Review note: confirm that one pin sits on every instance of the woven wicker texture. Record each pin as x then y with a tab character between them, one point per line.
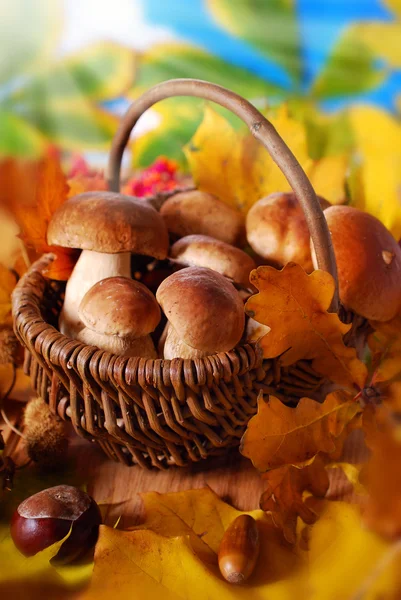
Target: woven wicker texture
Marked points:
149	412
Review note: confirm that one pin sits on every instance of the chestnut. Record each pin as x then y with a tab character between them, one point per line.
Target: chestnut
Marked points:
48	516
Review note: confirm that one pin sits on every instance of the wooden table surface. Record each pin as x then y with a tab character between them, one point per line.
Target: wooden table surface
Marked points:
233	477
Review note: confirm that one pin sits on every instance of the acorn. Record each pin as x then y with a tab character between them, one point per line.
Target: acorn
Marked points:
49	516
239	550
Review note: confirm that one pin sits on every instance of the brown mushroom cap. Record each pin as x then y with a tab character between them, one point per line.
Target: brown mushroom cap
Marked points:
109	222
120	306
192	212
205	251
368	263
204	308
276	229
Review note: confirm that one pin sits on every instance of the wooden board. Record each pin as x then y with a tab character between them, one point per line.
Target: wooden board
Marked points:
118	487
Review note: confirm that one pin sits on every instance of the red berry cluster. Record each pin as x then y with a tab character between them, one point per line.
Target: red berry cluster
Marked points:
161	176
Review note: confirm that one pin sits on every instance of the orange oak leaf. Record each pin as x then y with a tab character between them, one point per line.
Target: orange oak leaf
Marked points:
382	512
7	284
385	345
294	305
280	435
32	191
284	499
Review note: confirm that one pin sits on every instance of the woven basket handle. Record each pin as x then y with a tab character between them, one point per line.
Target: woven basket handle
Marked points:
261	129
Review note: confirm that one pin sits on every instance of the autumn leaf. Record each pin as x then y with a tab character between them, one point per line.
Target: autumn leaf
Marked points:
385	346
32	191
238	170
284	498
345	560
376	176
382	512
279	435
294	305
7	284
34	578
174	553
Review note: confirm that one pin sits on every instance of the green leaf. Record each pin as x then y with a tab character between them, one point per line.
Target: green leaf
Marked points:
18	138
29	31
166	61
349	70
269	25
98	73
73	125
180	117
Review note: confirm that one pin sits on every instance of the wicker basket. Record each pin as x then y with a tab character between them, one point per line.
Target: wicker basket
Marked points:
161	412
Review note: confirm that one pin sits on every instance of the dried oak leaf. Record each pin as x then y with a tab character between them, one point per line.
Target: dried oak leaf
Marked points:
294	305
385	346
284	495
7	284
382	512
32	191
174	553
279	435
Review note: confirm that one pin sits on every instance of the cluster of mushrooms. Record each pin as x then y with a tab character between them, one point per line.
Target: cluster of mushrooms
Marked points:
197	307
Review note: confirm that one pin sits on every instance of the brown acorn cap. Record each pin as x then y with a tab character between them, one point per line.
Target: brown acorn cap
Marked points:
192	212
120	306
204	308
109	222
276	229
205	251
368	262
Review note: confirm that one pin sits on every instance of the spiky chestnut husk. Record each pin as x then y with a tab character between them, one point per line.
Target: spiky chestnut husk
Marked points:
49	516
45	435
9	346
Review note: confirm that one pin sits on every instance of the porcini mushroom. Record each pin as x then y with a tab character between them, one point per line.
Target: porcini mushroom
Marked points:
194	211
205	313
108	227
276	229
368	263
205	251
119	314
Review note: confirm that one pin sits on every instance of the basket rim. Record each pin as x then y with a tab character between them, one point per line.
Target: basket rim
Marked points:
177	364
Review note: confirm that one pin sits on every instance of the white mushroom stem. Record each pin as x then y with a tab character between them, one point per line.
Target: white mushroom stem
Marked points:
124	346
171	346
90	268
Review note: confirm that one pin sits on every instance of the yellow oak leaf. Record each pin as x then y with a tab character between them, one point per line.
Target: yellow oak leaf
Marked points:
280	435
174	553
345	559
378	171
237	169
34	578
284	498
214	157
32	191
385	345
294	305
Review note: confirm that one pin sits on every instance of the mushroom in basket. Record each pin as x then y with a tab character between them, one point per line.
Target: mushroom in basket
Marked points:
368	263
205	251
119	314
194	211
108	227
277	231
205	313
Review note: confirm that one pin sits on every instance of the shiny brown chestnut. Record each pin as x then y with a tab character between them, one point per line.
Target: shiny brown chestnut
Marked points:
50	515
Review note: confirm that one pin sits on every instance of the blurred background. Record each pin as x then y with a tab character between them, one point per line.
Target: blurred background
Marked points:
69	68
